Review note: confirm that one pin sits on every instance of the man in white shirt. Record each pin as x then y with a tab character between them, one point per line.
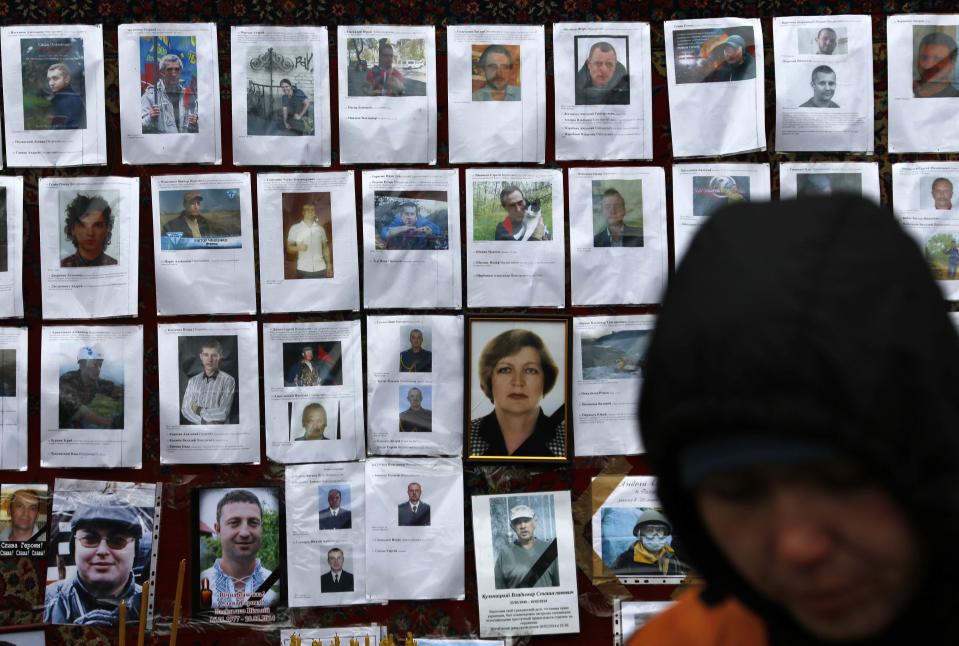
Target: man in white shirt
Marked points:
208	398
334	516
308	242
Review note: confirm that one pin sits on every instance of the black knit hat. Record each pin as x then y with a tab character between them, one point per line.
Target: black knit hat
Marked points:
813	322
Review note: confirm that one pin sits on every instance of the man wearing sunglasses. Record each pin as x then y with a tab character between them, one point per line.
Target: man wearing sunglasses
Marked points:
105	535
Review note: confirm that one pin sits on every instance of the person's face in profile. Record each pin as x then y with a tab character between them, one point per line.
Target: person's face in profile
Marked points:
414	491
335	559
308	212
825	541
286	88
240	529
334	499
90	232
614	208
515	205
823	86
24	509
525	530
936	64
104	558
314	423
195	207
408	216
601	67
57	80
415	398
90	368
826	41
416	340
732	55
497	69
942	194
517	382
210	358
386	57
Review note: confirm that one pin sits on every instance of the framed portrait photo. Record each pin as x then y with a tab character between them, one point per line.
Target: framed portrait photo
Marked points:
518	378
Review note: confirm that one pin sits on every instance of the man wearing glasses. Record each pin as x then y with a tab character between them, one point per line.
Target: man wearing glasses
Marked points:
105	535
652	554
162	107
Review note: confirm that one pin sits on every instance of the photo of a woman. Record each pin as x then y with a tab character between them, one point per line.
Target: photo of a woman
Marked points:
515	372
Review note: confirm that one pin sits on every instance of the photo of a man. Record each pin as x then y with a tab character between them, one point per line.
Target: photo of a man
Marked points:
935	64
311	364
315	422
386	67
237	576
105	536
54	84
496	73
190	223
808	184
527	207
826	41
603	78
209	391
823	83
335	515
169	103
416	358
714	56
942	194
527	561
414	512
411	220
87	400
24	510
200	219
417	418
616	233
89	229
308	242
651	553
337	579
280	82
67	109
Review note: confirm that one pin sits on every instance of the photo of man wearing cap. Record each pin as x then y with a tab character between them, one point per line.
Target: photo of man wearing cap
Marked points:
526	562
105	533
190	223
729	61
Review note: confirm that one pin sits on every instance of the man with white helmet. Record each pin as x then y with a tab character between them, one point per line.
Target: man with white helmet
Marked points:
79	388
527	562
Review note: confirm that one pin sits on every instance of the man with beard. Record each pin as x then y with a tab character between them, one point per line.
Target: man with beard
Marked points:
496	66
237	576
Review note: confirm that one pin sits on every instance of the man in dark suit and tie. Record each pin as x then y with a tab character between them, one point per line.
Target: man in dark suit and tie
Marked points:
337	579
414	512
334	516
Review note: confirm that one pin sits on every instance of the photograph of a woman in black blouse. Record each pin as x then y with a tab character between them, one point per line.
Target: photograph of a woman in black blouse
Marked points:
515	372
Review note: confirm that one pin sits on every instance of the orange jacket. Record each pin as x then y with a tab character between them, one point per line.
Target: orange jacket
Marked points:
692	623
